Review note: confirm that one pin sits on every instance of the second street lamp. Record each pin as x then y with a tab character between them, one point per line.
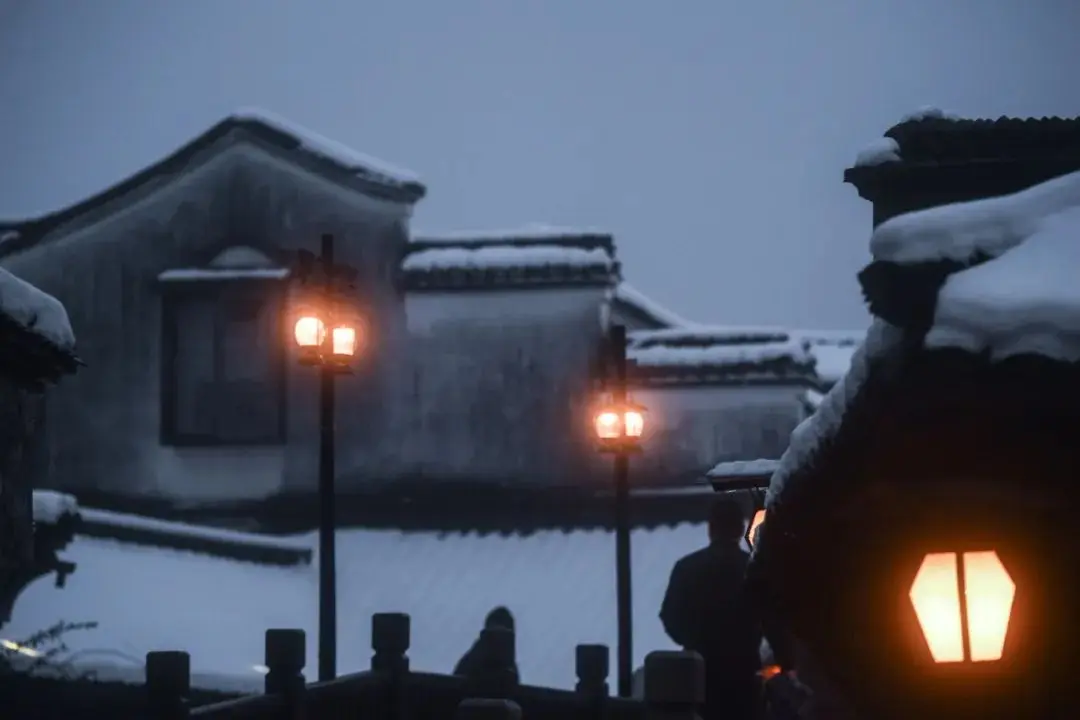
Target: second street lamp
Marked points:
328	336
619	425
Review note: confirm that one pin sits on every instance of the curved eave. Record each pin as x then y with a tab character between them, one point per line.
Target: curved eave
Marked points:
29	232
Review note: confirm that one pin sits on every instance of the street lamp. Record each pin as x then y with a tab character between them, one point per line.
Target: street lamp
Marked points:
327	334
618	425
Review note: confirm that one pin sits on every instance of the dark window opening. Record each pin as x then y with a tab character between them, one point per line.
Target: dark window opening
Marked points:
223	364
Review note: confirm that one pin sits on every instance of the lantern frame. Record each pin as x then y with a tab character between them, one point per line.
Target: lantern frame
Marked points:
621	442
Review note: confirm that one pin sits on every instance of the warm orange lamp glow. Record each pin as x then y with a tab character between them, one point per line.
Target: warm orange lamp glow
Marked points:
759	517
343	341
614	424
309	331
988	597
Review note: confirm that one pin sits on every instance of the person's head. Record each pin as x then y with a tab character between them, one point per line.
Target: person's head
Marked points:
500	617
727	523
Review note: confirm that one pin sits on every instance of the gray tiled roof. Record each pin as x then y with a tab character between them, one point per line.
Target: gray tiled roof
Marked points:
560	586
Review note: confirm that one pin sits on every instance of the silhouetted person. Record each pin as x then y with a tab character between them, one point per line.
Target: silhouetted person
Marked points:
706	610
471	663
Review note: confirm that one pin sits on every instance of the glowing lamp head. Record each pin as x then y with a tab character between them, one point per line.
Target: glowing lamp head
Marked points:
952	636
619	425
343	341
608	425
309	332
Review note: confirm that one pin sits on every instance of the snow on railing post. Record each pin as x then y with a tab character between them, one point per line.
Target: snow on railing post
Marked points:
285	655
488	709
390	640
674	685
591	665
168	682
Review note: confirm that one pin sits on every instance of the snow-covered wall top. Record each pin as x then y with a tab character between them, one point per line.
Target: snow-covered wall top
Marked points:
720	354
508	258
628	300
1020	295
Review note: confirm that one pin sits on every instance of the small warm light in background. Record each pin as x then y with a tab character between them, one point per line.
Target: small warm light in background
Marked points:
755	522
343	340
988	597
309	332
613	423
769	671
21	649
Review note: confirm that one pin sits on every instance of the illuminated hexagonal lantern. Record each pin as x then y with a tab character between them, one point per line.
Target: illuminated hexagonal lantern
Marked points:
963	602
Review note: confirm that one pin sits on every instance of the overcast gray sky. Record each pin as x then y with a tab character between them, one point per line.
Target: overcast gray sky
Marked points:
709	135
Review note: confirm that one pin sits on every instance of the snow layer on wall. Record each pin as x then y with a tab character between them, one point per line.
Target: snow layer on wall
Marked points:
960	231
1025	298
35	310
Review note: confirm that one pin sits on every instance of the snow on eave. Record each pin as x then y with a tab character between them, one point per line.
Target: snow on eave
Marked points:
506	257
362	164
36	311
835	338
1025	301
722	356
879	152
927	112
629	295
179	529
963	231
209	273
49	506
707	335
743	468
525	233
881	341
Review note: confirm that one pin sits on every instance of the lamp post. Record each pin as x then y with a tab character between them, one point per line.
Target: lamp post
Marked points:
618	425
327	338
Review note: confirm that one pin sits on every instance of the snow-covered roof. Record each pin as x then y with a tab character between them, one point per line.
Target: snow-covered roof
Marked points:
560	587
1021	295
718	354
507	259
362	165
627	295
36	311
